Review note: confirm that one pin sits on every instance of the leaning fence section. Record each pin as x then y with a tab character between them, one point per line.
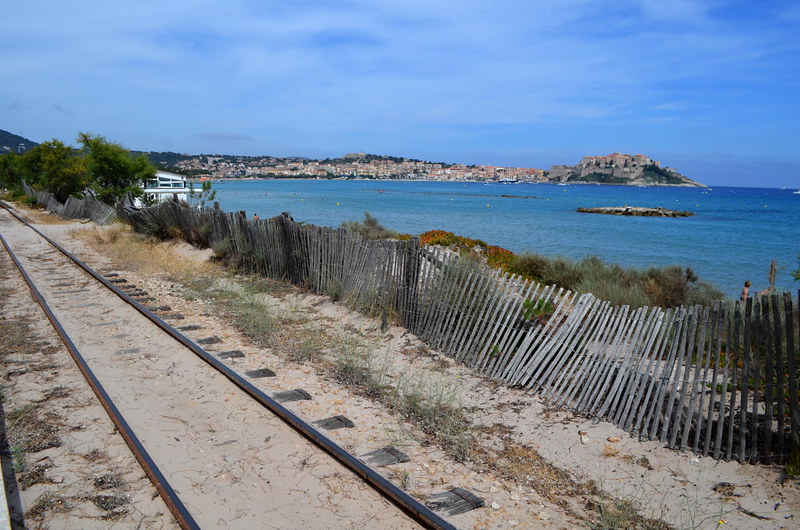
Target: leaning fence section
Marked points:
73	208
720	381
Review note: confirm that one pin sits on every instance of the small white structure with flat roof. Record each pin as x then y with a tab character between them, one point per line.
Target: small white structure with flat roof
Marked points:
165	186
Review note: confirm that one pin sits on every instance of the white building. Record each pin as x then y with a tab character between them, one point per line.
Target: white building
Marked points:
165	186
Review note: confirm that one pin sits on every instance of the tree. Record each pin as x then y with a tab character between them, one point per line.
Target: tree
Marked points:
10	174
54	167
204	195
111	169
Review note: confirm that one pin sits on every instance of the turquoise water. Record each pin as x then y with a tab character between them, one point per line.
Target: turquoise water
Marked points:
734	235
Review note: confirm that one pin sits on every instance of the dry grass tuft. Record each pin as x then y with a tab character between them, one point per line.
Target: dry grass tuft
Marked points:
132	251
48	503
622	514
609	451
36	475
29	431
523	465
434	404
15	337
96	455
109	503
38	215
107	481
300	344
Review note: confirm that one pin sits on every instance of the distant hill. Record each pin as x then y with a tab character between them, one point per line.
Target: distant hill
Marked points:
616	168
166	159
10	142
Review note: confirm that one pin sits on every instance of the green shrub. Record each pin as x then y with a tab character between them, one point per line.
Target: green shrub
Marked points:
630	295
530	265
664	287
703	293
370	228
564	272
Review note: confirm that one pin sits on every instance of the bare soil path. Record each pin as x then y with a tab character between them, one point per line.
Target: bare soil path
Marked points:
234	464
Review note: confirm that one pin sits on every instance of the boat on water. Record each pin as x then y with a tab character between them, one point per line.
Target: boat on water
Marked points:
507	181
797	192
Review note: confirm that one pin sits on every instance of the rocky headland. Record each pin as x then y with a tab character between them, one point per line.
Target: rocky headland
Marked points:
620	169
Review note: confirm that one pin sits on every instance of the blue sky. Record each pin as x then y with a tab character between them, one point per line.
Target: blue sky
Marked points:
711	88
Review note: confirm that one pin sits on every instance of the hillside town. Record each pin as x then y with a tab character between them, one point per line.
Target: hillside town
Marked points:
352	165
615	168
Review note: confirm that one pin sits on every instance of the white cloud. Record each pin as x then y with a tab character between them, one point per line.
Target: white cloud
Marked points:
401	70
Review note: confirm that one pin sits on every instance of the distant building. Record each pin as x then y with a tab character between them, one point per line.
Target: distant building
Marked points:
615	165
165	186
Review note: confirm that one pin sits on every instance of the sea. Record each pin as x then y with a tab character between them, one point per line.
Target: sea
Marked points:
733	236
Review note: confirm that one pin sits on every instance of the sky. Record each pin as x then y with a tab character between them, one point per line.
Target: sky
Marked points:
708	87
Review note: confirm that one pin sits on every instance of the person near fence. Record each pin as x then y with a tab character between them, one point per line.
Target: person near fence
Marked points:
255	217
745	291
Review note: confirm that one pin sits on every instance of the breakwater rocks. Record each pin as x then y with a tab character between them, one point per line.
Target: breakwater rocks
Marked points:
637	211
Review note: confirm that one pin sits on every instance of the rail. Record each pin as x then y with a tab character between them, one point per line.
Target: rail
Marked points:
416	510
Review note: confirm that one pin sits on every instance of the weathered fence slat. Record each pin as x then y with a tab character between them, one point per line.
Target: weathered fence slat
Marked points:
697	349
510	305
769	379
510	327
668	384
537	349
644	380
573	325
574	375
529	352
478	303
792	365
715	349
679	421
611	362
485	323
639	351
466	314
755	373
629	344
517	331
600	359
594	351
745	381
461	276
780	385
731	365
656	366
553	335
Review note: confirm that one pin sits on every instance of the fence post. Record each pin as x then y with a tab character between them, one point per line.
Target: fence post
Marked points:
791	361
410	280
288	243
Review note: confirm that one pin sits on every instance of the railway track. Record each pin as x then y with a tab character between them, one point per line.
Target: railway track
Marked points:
219	450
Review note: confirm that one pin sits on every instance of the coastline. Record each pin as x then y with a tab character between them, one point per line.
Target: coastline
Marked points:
663	483
633	185
707	242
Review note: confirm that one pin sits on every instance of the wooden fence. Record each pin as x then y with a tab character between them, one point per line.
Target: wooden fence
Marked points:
85	208
720	381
